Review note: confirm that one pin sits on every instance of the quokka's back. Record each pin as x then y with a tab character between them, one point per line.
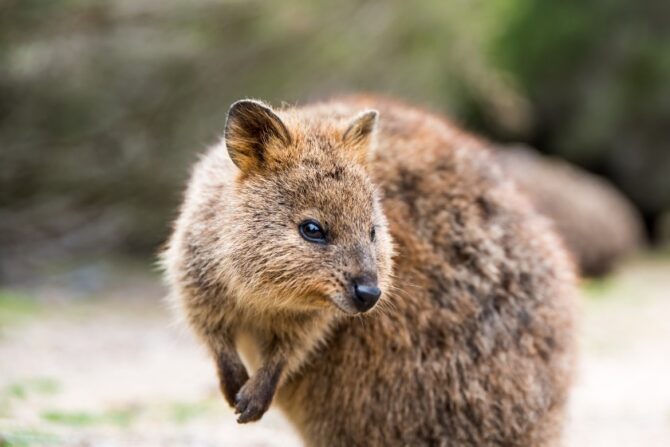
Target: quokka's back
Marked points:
472	340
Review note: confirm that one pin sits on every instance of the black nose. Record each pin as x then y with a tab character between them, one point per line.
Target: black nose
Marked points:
366	295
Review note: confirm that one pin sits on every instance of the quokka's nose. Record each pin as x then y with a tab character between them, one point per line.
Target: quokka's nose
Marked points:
366	295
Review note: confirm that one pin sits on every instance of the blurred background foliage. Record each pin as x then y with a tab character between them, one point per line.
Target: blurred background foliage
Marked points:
105	105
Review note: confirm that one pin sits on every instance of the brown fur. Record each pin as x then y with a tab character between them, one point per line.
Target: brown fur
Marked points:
472	340
599	225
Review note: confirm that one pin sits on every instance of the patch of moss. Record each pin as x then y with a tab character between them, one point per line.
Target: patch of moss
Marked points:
15	307
183	412
44	386
16	391
72	418
37	385
28	438
597	288
117	417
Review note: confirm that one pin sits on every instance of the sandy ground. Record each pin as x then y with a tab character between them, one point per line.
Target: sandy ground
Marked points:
99	363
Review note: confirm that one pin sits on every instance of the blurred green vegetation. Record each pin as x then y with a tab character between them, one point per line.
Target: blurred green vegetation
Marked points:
36	385
123	417
28	438
597	74
15	308
104	105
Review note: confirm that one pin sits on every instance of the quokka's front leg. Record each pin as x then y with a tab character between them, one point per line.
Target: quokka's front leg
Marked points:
230	369
255	397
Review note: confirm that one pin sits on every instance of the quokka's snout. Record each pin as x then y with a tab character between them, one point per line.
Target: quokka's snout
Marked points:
365	292
358	294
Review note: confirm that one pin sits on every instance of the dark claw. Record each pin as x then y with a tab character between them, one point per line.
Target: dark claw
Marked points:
251	414
241	403
251	405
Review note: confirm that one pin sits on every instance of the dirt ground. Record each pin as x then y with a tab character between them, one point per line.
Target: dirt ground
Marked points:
91	357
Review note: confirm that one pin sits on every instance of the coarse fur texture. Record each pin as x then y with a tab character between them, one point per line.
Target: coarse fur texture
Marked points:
471	343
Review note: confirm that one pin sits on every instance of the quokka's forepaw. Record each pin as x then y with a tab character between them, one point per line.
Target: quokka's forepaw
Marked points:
232	379
252	402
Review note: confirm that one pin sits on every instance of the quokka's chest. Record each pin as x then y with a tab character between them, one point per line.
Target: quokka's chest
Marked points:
248	345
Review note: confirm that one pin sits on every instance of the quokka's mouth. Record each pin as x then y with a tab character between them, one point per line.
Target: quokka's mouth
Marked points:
352	305
344	304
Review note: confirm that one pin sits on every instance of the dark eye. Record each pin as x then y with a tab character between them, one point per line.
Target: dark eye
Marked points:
373	234
311	231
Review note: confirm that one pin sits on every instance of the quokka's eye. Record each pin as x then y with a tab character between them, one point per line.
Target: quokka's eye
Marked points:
373	234
311	231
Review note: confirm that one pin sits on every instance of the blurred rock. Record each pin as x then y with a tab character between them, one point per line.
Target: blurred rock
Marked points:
599	225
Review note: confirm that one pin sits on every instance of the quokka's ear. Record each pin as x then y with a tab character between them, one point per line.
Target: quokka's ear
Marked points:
360	134
252	130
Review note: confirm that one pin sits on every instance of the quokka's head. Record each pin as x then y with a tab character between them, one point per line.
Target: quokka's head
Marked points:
309	226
